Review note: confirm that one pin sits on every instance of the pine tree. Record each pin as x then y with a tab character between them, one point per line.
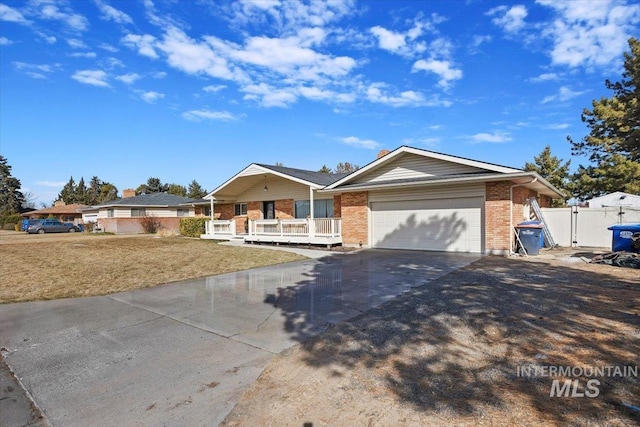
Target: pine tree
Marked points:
93	193
68	192
81	192
325	169
196	191
177	190
11	198
613	144
553	170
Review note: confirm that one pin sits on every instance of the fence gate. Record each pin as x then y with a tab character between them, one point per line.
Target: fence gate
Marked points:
577	226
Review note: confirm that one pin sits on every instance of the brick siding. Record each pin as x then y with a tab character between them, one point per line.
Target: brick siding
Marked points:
355	218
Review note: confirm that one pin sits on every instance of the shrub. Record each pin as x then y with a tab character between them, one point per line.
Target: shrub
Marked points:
192	227
10	218
150	224
18	227
10	226
89	226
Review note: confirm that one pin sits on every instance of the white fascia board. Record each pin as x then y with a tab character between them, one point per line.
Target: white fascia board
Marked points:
265	170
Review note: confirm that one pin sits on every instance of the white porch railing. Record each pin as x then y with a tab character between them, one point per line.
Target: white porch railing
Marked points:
223	228
317	227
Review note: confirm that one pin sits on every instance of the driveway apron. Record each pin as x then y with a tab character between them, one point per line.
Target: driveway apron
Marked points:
183	353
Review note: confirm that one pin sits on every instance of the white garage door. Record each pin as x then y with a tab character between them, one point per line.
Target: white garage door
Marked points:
453	225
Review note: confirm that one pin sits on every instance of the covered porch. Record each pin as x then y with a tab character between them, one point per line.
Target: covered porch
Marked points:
273	204
317	231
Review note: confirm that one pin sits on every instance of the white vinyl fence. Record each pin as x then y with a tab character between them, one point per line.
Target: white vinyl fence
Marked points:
578	226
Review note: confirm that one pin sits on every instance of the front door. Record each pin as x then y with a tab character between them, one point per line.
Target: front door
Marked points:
269	210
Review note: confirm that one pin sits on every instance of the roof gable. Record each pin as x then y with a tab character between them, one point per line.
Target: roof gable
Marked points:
315	179
412	163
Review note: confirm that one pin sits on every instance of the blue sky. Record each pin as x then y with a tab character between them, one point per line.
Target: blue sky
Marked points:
183	90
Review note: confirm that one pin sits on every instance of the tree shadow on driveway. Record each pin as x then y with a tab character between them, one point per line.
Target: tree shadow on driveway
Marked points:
463	344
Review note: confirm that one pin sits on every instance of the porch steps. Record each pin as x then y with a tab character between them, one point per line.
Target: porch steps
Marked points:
548	238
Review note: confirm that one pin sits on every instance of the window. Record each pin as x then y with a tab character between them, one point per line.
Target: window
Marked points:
109	213
321	208
138	212
240	209
183	212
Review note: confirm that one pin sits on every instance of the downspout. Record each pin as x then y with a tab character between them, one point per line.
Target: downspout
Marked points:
511	212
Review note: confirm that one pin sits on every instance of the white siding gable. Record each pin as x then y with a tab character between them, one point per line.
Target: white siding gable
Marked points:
252	170
411	166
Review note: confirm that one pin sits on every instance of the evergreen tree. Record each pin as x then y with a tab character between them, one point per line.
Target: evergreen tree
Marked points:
93	193
11	198
153	185
177	190
613	144
325	169
196	191
553	170
81	192
68	192
108	193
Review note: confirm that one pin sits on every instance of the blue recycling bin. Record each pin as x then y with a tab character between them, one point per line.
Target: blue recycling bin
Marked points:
537	224
622	234
530	235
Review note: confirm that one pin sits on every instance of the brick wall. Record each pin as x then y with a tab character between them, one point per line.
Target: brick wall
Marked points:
284	209
337	205
224	211
355	218
134	225
497	217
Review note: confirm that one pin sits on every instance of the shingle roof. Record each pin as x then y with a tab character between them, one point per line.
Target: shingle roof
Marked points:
319	178
151	199
58	210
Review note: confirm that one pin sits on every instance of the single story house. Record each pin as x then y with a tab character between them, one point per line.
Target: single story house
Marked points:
60	211
124	216
615	200
408	198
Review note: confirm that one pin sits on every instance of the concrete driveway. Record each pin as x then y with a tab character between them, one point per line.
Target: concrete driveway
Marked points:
183	353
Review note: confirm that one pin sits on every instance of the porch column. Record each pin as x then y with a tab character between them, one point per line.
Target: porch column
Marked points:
312	223
212	214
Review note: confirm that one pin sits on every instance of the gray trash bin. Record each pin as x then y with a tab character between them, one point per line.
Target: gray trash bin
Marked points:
529	236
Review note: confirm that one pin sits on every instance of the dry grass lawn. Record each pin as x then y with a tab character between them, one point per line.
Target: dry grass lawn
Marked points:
51	266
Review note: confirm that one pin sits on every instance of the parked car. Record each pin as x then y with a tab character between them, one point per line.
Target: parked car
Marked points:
52	226
27	222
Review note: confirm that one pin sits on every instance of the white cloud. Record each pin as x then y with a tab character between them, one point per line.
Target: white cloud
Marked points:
388	40
83	55
5	41
91	77
363	143
544	77
112	63
76	43
73	20
557	126
593	33
36	71
151	96
159	75
10	14
269	96
564	94
214	88
110	13
128	78
143	43
377	93
443	69
494	138
510	19
199	115
108	47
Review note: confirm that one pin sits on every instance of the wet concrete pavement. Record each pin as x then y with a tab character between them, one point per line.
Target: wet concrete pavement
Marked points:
183	353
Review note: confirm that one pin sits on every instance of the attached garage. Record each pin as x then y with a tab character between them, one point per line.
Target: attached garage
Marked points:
445	219
452	225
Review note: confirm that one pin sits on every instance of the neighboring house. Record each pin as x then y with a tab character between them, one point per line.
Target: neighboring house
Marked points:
124	216
614	200
61	211
406	199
